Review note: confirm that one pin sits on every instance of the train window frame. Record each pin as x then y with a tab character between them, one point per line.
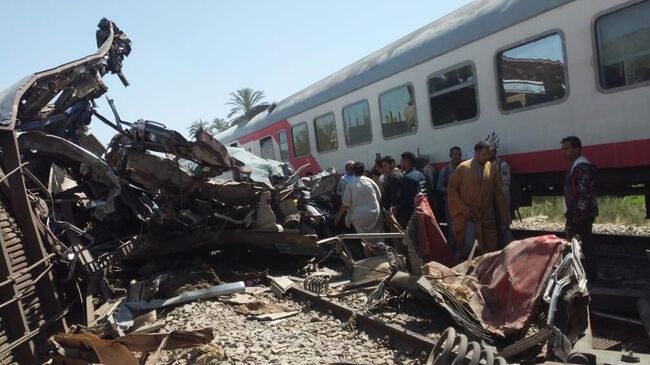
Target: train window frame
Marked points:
596	54
294	140
336	130
478	99
269	137
497	72
280	145
415	105
372	136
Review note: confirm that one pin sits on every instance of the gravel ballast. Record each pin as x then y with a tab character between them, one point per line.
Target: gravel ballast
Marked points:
309	337
541	223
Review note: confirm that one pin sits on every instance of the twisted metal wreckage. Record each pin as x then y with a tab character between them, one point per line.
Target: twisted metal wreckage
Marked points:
71	209
67	213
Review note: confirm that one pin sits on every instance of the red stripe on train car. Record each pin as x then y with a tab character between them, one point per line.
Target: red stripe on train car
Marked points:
605	156
273	130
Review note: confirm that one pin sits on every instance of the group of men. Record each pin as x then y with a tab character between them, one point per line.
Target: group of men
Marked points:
476	195
363	199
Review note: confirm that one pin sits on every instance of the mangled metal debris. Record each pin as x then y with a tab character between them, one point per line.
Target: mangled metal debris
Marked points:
88	348
150	192
81	208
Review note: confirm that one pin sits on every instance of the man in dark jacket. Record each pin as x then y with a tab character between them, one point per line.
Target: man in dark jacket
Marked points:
456	156
411	184
391	184
580	199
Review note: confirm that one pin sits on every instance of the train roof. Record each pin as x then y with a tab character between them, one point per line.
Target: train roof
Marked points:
472	22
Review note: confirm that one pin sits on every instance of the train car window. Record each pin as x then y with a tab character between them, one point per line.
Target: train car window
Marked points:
325	127
397	108
284	146
356	122
532	73
623	39
452	95
300	137
266	148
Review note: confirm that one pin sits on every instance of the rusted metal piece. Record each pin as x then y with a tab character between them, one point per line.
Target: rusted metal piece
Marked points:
33	314
406	339
527	343
29	301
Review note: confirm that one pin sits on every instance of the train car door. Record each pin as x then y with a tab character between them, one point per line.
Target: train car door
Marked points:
266	146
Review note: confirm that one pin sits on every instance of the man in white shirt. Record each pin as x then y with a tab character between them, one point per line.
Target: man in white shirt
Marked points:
361	199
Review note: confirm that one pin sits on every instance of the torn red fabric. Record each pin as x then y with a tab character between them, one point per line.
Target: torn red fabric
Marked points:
511	281
432	244
507	285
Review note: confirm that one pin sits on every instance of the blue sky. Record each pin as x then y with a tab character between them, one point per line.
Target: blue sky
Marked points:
189	55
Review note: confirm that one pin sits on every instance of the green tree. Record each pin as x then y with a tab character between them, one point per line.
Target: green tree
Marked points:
196	125
244	100
218	125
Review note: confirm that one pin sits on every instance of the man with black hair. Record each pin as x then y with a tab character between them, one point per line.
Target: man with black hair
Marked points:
377	175
345	179
473	191
580	199
361	202
456	156
411	184
392	180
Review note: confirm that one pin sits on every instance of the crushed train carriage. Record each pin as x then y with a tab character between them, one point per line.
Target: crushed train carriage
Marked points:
70	208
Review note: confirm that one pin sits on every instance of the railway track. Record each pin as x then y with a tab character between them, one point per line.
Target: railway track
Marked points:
624	270
614	246
623	251
608	340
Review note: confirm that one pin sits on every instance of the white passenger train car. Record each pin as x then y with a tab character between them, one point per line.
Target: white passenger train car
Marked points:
531	71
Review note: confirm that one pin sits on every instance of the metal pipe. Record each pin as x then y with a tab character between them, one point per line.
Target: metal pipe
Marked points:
13	171
361	236
246	220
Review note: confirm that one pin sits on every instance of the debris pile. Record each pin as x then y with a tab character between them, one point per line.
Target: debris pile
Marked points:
84	208
107	252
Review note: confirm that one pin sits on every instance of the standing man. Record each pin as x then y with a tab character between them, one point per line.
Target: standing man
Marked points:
429	172
345	179
473	191
456	155
392	182
580	199
377	175
361	202
411	184
502	170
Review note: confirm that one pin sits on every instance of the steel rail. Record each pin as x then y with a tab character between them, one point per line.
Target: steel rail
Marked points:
398	335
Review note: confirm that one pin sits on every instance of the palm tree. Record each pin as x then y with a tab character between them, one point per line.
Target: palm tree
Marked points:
244	100
196	125
218	125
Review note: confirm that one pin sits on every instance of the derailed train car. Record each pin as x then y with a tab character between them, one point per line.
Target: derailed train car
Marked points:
70	208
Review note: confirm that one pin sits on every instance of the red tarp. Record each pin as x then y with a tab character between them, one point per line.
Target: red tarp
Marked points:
432	244
508	284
